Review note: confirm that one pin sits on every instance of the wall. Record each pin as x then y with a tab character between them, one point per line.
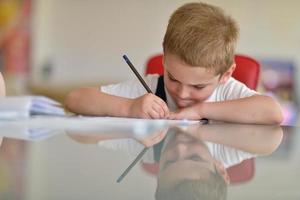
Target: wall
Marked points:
80	42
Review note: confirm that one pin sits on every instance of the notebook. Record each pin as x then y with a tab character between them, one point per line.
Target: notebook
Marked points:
19	107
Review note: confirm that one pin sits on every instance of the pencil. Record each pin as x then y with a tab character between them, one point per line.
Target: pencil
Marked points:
137	74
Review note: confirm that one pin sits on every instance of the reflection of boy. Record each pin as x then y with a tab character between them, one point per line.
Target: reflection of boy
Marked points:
199	47
189	171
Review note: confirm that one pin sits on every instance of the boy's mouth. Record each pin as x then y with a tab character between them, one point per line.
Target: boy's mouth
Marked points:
183	103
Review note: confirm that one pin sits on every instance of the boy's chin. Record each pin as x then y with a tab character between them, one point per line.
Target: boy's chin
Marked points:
184	105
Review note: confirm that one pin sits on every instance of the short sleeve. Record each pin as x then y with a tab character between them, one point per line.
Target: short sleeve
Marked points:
234	89
128	146
132	88
228	156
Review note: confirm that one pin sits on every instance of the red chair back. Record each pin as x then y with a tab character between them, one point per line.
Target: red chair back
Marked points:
155	65
247	69
240	173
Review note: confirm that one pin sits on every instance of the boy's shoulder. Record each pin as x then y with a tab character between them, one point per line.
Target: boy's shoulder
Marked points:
131	88
152	80
232	89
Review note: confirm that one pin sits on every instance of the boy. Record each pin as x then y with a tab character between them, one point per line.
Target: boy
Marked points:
198	50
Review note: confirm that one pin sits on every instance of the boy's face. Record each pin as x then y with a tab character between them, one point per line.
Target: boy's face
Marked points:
185	157
188	85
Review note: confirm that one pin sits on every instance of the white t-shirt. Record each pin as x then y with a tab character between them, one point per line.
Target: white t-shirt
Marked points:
232	89
228	156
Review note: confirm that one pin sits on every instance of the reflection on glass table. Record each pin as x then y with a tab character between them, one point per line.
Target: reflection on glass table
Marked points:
185	161
199	160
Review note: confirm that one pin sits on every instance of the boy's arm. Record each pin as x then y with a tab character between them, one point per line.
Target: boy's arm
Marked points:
258	139
91	101
257	109
147	141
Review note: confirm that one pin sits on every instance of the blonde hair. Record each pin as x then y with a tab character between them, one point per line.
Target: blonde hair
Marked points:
202	35
213	188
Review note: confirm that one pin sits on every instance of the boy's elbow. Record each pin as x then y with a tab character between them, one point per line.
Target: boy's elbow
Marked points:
276	114
277	118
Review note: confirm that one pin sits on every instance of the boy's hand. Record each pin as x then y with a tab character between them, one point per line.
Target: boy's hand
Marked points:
154	138
149	106
190	113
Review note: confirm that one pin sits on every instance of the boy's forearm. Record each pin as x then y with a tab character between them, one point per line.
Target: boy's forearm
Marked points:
259	139
91	101
256	109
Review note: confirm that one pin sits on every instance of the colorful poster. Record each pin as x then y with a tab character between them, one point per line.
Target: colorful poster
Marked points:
14	39
278	80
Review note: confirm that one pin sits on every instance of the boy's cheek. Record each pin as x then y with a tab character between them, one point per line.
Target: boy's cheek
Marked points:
203	94
171	87
195	96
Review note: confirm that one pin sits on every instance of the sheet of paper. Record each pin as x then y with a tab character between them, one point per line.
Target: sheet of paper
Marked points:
96	125
16	107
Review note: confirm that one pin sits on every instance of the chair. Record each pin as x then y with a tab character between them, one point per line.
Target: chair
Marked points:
240	173
247	71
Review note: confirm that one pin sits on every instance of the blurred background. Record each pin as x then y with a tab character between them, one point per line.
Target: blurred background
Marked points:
49	47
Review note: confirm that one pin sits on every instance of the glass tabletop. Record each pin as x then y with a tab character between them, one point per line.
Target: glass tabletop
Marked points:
83	157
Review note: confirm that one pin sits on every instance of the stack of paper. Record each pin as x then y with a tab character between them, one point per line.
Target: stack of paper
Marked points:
16	107
23	131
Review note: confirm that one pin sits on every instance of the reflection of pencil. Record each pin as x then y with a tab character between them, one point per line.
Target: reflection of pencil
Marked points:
140	155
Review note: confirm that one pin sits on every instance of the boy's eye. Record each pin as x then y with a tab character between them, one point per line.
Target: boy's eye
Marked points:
199	87
195	158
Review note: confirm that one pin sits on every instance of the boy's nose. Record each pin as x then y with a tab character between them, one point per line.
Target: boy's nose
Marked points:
183	92
180	150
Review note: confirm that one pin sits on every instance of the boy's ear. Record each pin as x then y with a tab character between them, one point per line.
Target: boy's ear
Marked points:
222	171
163	62
224	78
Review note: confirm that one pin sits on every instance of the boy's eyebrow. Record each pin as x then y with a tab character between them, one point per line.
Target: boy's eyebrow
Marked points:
196	85
171	75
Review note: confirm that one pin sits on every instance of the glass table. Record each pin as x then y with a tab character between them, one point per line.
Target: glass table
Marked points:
56	158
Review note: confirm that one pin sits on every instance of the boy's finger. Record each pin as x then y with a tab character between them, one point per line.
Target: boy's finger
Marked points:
154	114
163	106
172	115
160	101
158	109
166	110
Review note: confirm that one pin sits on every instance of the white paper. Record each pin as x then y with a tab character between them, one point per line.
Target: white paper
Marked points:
16	107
